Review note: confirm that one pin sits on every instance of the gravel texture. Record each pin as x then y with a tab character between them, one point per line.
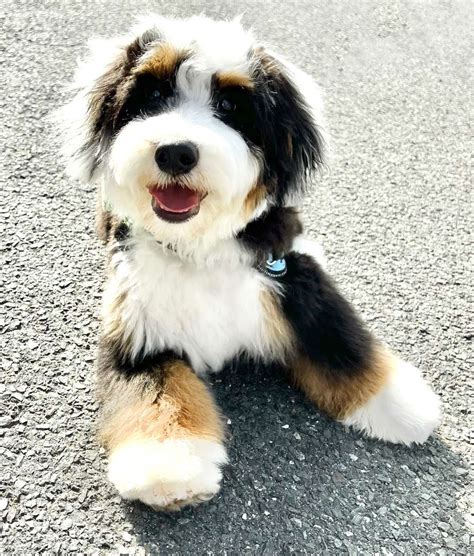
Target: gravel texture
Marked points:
395	217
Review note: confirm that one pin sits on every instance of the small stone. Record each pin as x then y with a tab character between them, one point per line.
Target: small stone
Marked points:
443	526
19	484
126	536
82	496
5	422
461	471
3	504
450	543
11	515
66	524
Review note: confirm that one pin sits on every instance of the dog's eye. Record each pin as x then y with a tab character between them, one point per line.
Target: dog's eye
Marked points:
159	90
156	95
226	104
235	107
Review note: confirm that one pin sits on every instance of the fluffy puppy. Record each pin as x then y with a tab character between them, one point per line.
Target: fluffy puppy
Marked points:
200	141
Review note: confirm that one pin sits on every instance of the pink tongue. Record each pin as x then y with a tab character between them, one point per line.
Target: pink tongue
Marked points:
176	198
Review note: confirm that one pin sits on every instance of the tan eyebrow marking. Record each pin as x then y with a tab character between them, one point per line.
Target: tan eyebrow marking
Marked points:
233	79
162	61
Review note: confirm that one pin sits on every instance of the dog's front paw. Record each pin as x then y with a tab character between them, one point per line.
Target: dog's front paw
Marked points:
405	411
169	474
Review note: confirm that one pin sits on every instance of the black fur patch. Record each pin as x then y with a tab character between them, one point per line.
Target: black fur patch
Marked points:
111	356
328	329
119	381
273	233
236	107
148	96
122	232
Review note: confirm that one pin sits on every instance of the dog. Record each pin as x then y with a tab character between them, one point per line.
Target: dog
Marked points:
202	142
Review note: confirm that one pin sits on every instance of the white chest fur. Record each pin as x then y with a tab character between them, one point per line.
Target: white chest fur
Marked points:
210	314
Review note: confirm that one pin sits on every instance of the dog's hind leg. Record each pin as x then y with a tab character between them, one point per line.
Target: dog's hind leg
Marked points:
161	429
343	369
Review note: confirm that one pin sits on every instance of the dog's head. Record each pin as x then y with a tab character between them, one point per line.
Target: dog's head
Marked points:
191	128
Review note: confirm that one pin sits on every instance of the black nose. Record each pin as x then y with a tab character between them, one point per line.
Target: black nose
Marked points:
178	158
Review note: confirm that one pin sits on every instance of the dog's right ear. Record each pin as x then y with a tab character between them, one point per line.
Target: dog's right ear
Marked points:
100	86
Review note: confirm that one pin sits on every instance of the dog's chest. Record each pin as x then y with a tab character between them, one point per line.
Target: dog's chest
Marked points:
208	314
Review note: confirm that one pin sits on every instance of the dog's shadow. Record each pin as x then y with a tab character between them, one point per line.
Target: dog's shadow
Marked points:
298	481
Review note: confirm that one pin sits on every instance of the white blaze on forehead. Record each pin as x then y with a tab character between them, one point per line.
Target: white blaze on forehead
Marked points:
215	45
194	83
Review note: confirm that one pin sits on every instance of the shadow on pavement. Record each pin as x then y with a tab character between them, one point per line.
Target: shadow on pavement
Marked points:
298	481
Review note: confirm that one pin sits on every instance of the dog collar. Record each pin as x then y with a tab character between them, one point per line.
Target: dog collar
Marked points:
274	268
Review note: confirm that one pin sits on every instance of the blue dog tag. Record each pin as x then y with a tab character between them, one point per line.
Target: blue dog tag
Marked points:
275	267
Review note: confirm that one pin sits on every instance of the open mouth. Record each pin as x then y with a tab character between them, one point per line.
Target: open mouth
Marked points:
175	202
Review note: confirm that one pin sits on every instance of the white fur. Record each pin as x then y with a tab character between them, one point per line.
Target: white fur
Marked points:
210	313
406	411
216	44
172	472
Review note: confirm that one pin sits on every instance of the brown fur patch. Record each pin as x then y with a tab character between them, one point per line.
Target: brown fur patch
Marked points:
102	221
340	397
278	332
113	324
182	407
233	79
105	222
163	62
253	199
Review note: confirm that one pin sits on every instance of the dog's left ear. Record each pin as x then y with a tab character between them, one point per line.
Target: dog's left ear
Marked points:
292	126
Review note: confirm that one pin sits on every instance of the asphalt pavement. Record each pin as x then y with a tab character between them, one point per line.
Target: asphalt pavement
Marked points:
394	213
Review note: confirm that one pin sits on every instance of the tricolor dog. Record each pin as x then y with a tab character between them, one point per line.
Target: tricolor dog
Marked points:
201	142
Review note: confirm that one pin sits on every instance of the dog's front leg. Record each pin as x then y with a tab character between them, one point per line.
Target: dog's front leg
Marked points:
344	370
161	430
